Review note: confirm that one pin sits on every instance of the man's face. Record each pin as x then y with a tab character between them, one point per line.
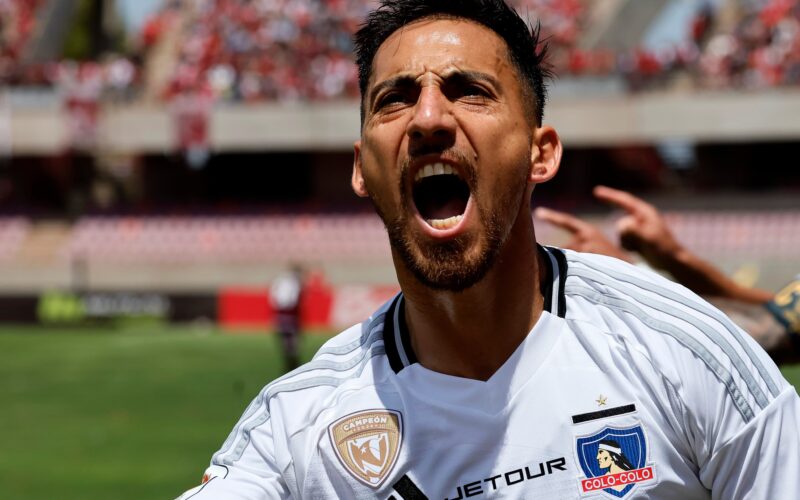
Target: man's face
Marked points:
445	150
604	459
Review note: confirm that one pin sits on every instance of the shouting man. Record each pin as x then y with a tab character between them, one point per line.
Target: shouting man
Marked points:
502	367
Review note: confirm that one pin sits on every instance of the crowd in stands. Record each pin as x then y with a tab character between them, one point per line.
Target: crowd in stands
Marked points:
763	50
268	49
299	50
113	75
16	24
285	50
308	48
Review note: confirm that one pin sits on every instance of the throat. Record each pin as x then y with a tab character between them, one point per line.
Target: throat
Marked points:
441	197
457	338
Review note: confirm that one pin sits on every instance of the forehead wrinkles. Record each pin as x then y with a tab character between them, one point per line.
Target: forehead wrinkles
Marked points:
440	46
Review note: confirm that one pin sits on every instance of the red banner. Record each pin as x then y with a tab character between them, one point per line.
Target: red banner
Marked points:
321	308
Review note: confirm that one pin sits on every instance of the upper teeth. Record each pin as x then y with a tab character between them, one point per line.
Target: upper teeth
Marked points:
435	169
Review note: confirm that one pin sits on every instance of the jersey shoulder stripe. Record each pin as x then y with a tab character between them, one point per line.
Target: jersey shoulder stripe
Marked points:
624	288
719	371
705	309
664	307
342	353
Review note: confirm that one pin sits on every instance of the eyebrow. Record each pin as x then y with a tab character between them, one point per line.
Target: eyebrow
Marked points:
456	76
468	76
400	81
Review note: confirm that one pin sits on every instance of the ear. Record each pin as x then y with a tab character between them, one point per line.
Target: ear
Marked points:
357	181
545	154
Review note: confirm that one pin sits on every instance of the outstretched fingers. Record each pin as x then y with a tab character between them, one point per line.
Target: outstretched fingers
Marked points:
561	219
623	200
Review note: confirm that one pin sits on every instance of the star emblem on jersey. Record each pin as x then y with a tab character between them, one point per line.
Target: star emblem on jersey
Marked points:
601	400
367	443
614	460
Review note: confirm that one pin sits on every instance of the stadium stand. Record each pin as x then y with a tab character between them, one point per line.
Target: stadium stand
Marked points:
220	47
356	238
762	49
13	232
734	234
16	24
223	42
229	239
309	46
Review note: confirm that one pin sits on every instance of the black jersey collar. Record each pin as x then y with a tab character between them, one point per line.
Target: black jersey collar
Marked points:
395	336
397	340
555	302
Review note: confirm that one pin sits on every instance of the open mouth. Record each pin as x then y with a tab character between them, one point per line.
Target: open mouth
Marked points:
440	195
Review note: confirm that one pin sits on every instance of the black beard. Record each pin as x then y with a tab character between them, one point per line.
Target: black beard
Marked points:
445	266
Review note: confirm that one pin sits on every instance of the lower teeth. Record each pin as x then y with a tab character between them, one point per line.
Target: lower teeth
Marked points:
445	223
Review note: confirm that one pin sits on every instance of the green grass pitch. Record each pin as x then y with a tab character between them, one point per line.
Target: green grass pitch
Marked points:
124	414
129	413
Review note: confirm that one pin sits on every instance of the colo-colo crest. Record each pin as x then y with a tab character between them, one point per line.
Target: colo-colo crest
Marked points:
614	460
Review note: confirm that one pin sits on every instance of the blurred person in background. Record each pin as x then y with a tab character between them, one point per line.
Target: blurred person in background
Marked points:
286	295
773	320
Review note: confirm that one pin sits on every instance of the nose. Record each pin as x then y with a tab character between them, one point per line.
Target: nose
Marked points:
432	124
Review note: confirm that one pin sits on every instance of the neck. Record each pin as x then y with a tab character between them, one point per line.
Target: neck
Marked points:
472	333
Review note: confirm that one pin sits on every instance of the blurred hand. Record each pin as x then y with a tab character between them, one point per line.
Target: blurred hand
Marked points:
643	228
585	237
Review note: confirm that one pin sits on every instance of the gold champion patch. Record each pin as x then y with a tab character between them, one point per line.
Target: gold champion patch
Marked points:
367	443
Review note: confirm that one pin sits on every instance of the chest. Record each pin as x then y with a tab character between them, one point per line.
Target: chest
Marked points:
586	436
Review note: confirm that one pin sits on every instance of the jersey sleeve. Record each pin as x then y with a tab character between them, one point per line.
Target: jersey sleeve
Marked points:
248	467
743	419
763	459
728	410
747	423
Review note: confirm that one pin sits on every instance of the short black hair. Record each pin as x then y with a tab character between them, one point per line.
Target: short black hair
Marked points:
526	53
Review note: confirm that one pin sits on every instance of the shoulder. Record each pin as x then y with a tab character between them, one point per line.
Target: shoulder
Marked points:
622	287
347	358
352	360
686	340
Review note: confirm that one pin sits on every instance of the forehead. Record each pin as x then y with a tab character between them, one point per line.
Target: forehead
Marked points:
441	45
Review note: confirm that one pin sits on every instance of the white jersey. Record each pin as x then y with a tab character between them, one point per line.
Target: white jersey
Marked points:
628	386
285	291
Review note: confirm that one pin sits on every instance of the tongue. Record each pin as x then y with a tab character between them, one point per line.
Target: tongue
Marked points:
445	210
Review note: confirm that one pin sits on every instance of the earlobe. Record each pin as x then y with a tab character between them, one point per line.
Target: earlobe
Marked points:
545	154
357	180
